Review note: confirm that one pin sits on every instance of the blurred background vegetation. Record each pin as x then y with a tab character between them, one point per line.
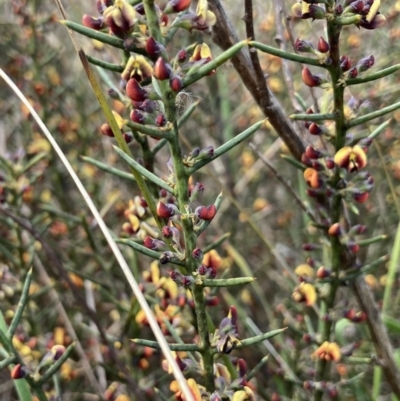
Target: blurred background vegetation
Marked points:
267	229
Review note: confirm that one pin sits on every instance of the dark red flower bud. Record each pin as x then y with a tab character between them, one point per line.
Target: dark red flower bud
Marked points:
106	130
18	372
206	212
365	63
335	230
316	12
162	70
148	242
349	313
175	275
187	281
233	315
359	317
353	246
128	137
303	46
330	164
197	253
312	153
202	270
361	197
140	9
305	160
166	232
182	56
314	129
345	63
176	6
176	83
241	367
356	7
92	22
323	45
206	153
212	301
137	117
166	257
152	243
165	211
323	272
153	48
309	79
359	229
308	385
308	247
148	106
197	189
135	91
353	72
161	120
339	9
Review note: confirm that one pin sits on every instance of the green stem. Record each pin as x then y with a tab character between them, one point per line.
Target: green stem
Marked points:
375	114
335	211
21	385
286	55
313	117
149	130
105	167
105	65
173	347
143	171
57	365
257	339
372	77
227	146
101	37
146	251
372	240
229	282
182	193
21	305
216	243
7	361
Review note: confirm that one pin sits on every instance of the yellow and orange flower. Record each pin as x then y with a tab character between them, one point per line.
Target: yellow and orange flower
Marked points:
351	158
195	389
306	293
305	271
328	351
311	177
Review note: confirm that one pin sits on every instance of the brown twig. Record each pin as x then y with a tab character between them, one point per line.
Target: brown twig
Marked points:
379	333
225	36
280	40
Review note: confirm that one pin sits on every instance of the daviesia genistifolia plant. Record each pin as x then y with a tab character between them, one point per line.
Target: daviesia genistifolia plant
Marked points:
331	320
